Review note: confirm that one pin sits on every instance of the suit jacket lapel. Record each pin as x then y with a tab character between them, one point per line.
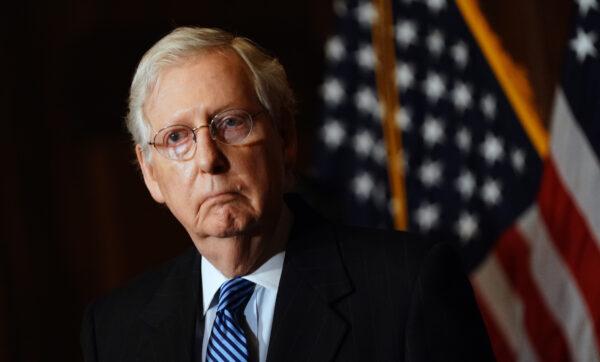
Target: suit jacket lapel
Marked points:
306	324
171	314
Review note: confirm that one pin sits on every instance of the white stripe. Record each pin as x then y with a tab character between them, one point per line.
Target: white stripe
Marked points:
225	345
576	162
505	307
558	288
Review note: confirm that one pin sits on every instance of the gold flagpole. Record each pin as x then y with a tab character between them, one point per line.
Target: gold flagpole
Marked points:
511	78
383	44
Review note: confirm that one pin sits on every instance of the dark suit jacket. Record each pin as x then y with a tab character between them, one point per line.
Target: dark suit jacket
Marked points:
346	294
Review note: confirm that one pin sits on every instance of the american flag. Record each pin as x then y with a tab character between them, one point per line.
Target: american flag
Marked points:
479	171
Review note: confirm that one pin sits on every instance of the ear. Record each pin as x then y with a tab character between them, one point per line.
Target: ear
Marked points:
148	172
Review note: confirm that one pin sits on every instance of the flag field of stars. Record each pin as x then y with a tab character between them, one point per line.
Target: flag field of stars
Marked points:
470	168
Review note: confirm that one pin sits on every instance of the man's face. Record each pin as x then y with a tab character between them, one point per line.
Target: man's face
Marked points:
224	190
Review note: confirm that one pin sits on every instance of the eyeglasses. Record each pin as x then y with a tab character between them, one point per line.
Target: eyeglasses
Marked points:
178	142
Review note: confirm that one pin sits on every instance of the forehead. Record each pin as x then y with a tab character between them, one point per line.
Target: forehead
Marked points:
210	81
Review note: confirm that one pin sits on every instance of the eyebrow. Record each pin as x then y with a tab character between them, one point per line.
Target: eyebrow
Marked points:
178	116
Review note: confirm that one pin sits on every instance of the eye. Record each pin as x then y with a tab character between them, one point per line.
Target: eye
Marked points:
176	142
232	122
232	128
176	135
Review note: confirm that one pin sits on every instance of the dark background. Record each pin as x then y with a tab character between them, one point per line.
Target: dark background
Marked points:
76	217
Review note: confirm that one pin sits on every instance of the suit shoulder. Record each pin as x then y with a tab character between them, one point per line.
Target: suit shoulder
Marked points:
113	324
128	299
390	241
397	254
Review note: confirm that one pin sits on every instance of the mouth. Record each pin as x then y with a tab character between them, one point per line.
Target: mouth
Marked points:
220	196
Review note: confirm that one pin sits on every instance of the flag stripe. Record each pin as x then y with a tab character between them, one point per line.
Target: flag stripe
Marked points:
514	254
571	237
501	349
559	289
576	162
503	306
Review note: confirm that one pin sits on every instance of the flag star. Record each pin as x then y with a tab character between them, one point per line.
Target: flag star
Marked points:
465	184
434	87
340	8
333	133
488	106
491	193
406	33
391	207
363	143
466	226
430	173
583	45
405	157
436	5
432	131
366	14
427	216
366	101
460	54
335	49
333	91
435	43
517	159
404	119
405	75
461	96
492	149
380	153
586	5
463	139
380	195
362	186
365	57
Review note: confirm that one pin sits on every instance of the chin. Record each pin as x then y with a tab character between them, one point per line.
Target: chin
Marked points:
229	223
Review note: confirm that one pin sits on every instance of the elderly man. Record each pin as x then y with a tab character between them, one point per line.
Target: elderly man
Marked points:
212	118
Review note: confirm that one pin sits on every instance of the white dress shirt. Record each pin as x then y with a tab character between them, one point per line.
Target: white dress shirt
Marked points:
260	308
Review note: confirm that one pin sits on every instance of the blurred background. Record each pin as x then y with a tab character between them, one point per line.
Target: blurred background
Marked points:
77	220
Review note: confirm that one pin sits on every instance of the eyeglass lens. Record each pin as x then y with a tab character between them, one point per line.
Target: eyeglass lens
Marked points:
178	142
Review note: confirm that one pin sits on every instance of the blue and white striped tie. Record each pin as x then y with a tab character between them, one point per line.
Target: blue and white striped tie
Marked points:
227	339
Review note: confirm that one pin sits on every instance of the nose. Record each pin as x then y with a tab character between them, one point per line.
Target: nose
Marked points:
208	154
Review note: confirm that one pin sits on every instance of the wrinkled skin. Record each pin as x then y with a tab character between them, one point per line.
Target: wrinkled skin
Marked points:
229	198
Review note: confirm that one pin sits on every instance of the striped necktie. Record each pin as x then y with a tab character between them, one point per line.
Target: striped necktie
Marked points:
227	339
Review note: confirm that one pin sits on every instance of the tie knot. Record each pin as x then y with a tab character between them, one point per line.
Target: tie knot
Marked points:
234	294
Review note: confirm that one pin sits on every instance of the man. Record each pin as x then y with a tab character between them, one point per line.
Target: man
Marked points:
212	118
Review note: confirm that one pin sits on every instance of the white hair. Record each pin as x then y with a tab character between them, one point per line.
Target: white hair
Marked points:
266	73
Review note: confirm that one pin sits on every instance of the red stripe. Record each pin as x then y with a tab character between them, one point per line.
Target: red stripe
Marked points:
502	351
571	235
546	336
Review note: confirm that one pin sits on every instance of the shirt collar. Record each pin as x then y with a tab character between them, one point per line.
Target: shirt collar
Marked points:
267	276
